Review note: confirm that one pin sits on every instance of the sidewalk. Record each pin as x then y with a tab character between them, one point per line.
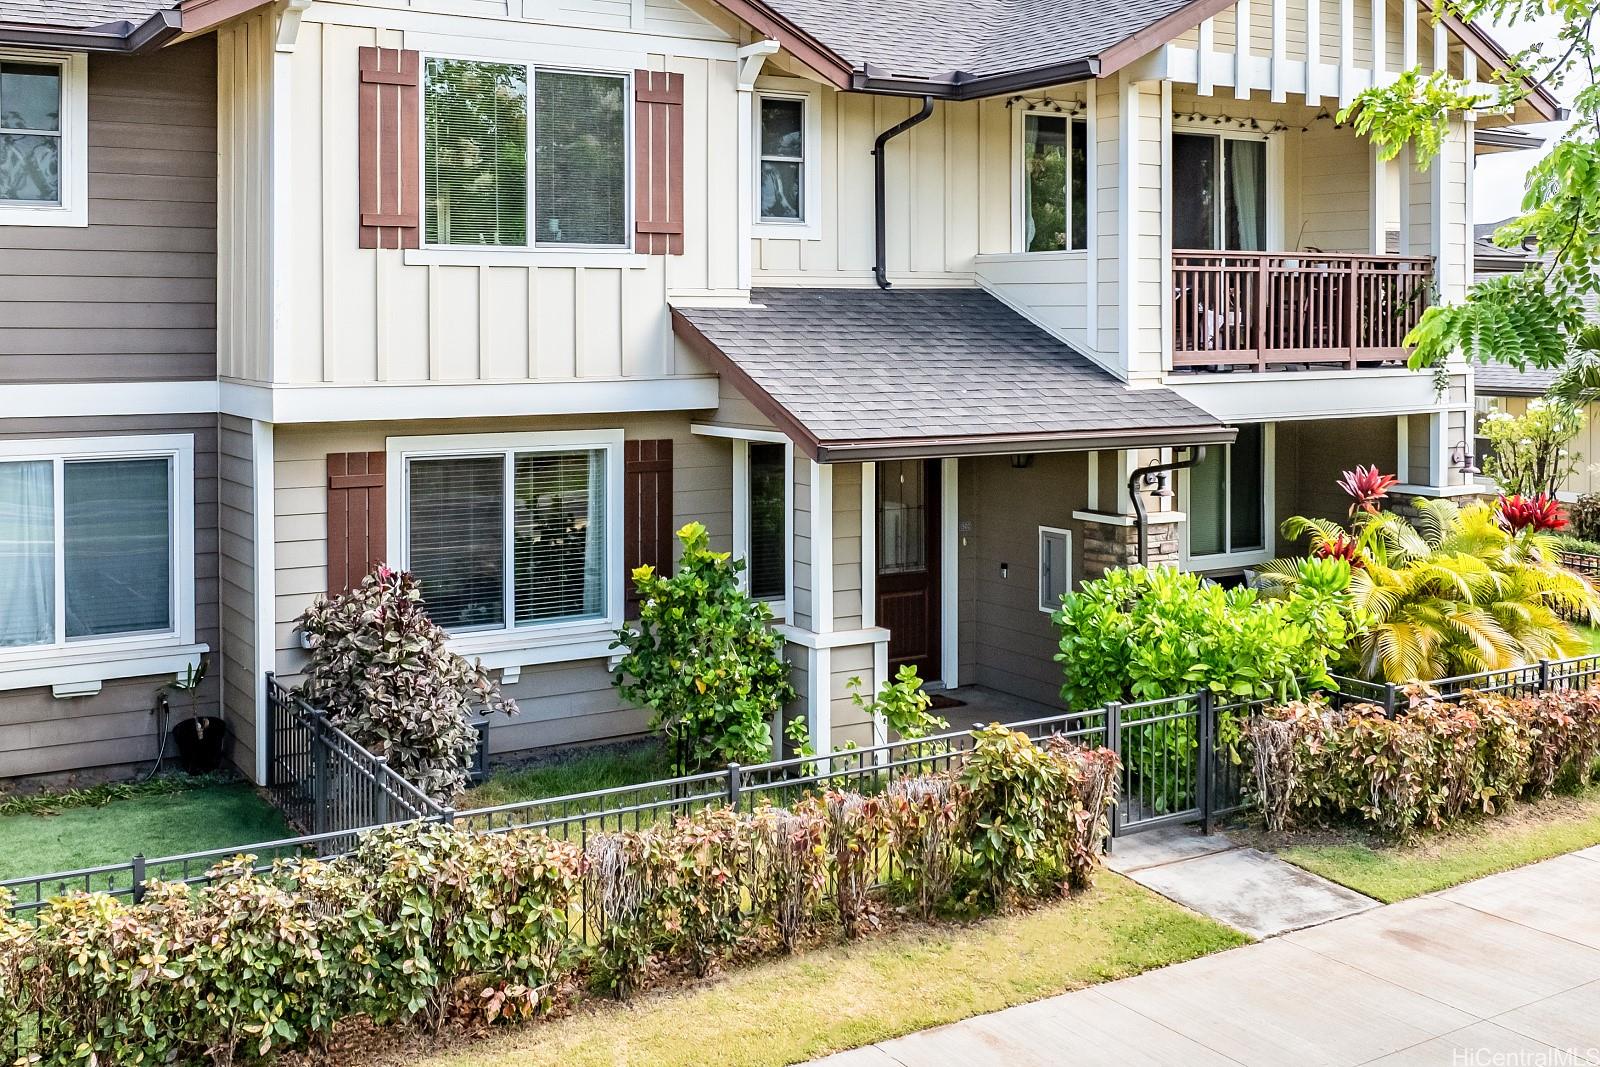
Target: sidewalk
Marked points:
1505	970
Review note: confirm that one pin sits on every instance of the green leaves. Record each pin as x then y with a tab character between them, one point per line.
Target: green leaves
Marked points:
1413	109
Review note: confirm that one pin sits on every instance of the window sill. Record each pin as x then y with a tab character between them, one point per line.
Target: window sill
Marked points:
53	215
515	650
786	231
1030	257
79	671
490	256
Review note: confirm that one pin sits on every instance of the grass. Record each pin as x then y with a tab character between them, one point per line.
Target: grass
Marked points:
214	816
783	1011
578	771
1390	872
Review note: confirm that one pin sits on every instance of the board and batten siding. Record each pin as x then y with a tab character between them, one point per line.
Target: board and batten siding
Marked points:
113	731
236	592
562	703
359	316
132	295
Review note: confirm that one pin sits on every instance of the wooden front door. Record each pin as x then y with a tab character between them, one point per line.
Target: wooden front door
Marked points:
908	563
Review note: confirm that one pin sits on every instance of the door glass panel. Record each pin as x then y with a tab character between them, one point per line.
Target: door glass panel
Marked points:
1247	531
1194	191
1208	504
902	517
1245	198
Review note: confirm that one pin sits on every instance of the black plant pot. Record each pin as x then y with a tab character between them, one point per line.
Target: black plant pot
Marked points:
199	742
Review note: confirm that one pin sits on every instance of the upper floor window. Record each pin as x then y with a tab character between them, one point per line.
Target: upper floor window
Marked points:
1219	192
90	538
1055	181
43	140
482	186
783	159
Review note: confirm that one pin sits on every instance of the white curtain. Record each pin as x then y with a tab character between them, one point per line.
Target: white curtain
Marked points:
594	549
27	553
1244	178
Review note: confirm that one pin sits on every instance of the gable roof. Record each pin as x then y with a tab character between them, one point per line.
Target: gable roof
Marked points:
89	25
901	373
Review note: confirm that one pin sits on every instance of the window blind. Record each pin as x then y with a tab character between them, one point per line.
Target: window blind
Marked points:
477	153
560	536
27	553
456	536
580	159
117	547
767	549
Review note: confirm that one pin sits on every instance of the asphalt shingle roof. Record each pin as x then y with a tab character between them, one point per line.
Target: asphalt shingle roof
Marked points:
1499	379
873	366
79	14
933	38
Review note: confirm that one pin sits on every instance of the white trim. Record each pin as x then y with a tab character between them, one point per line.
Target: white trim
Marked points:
1128	107
738	433
1107	518
31	400
869	545
1280	74
820	483
796	635
949	571
1241	50
1313	51
1091	266
1268	490
809	226
1380	38
1402	437
265	579
178	449
1046	532
820	699
73	210
1205	74
1093	494
1438	490
503	256
90	666
1347	52
752	57
433	400
512	645
741	510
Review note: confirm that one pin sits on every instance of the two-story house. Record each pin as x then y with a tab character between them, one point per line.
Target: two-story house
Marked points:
929	311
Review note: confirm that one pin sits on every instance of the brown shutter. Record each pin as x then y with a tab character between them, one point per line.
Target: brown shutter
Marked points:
357	521
390	157
658	162
646	510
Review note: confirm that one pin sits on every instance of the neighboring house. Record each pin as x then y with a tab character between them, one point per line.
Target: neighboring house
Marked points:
507	290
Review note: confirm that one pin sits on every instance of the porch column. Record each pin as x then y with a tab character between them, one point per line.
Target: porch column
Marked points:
1110	525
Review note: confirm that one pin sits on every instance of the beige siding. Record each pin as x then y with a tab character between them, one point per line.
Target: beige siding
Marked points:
131	296
850	723
244	107
113	731
847	583
802	611
1312	456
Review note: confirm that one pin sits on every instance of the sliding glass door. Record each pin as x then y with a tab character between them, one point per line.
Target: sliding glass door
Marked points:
1219	193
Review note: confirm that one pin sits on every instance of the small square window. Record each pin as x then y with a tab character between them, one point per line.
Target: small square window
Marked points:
1055	567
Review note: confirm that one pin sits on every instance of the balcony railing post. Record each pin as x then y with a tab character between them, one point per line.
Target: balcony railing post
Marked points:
381	808
1263	286
1353	298
1113	713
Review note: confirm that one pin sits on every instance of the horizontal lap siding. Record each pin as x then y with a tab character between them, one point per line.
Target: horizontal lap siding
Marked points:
562	703
237	590
40	734
132	296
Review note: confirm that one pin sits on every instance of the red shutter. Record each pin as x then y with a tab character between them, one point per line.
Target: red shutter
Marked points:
646	510
658	162
390	158
357	521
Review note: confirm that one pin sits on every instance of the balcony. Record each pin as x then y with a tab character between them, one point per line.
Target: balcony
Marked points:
1292	310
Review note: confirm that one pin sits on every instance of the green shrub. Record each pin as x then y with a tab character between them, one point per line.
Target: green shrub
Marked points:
1095	773
1022	805
901	704
925	817
1582	545
792	855
707	874
383	672
704	657
626	901
857	831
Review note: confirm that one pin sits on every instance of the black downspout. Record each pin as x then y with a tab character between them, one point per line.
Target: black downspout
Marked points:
880	268
1141	516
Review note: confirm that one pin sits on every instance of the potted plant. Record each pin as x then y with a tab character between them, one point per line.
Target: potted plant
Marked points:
199	737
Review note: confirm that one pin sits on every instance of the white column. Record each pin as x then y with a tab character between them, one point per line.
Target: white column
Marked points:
751	59
263	478
950	572
1242	72
819	704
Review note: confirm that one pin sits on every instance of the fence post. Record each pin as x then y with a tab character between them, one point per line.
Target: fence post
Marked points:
1206	711
271	712
1388	699
1114	743
382	807
733	785
1544	676
319	775
138	878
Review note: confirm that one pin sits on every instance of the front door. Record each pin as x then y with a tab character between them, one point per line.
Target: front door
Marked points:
908	563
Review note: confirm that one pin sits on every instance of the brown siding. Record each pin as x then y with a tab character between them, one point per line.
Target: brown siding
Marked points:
113	729
236	546
1311	457
132	296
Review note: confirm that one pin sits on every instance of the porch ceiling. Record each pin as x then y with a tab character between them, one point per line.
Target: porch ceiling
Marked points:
864	374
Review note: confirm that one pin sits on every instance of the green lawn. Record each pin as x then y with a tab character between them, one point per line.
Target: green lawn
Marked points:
1526	834
193	821
783	1011
577	771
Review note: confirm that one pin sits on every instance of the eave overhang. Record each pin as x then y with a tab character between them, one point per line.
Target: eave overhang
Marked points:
112	38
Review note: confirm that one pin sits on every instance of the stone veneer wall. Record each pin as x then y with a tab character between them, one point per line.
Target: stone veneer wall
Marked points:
1106	546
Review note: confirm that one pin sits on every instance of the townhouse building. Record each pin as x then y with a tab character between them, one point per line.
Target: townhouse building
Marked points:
927	310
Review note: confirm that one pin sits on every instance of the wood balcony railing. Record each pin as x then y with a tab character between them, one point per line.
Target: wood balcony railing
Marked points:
1262	310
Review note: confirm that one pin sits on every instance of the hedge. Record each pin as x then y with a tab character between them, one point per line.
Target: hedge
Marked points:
424	921
1432	764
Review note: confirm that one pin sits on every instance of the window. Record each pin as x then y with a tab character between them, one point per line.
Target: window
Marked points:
479	128
1219	192
783	121
43	140
1055	567
505	538
767	554
1055	214
91	542
1228	495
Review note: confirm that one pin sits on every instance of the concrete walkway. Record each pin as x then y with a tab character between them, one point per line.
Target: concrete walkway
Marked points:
1505	970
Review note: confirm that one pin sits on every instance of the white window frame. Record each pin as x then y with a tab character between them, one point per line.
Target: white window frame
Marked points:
1045	533
73	210
513	645
1019	180
178	449
1274	178
1225	560
809	226
531	70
